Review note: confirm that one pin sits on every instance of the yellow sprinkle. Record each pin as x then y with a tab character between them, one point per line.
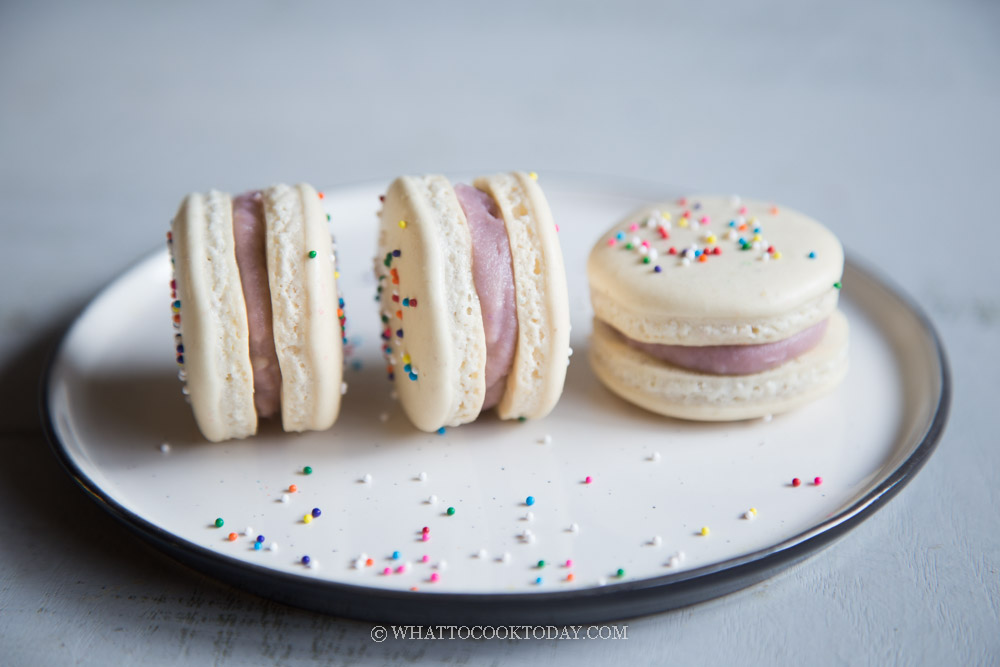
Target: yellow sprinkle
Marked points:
705	530
307	518
666	216
753	510
533	175
406	358
776	255
336	274
402	224
683	222
711	238
757	237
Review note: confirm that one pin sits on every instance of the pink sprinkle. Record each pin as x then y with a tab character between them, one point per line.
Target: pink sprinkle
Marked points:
633	227
704	220
387	571
743	210
796	482
682	201
435	577
401	569
588	480
425	537
645	244
569	563
557	228
818	481
425	559
612	242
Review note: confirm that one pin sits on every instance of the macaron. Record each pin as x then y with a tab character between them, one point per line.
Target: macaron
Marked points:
258	321
473	299
714	308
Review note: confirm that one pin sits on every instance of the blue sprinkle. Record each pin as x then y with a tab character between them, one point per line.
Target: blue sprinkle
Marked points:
407	368
256	546
538	580
388	350
260	539
620	236
340	302
180	349
657	268
529	501
732	223
441	430
406	302
413	376
305	560
812	255
180	358
392	376
756	230
395	555
697	253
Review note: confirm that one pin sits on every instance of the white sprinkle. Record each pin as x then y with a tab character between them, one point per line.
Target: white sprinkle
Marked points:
525	534
183	376
685	262
748	515
529	516
643	250
768	418
359	563
442	565
273	546
571	352
422	477
394	395
367	479
285	497
764	257
505	558
653	254
248	532
574	527
674	561
165	448
432	500
602	581
531	538
383	417
655	456
546	439
313	564
482	554
343	388
636	242
731	235
657	541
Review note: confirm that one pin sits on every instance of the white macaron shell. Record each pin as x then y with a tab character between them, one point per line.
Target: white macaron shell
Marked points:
213	318
304	301
669	390
736	297
443	336
536	379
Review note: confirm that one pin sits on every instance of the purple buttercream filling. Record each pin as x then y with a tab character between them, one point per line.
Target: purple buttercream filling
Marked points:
493	274
251	258
735	359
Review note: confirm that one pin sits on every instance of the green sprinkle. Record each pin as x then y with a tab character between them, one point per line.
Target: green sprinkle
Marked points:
328	217
621	572
219	523
837	285
629	246
645	260
308	470
312	254
541	563
521	419
451	511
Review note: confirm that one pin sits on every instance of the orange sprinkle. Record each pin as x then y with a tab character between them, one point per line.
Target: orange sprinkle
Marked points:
399	314
292	488
340	312
232	537
320	195
369	562
177	318
774	210
414	588
742	227
570	577
703	257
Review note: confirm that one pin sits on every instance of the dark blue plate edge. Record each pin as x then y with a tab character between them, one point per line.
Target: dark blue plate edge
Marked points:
614	601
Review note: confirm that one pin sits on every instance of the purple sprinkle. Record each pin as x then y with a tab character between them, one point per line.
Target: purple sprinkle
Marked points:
260	538
316	512
305	560
657	268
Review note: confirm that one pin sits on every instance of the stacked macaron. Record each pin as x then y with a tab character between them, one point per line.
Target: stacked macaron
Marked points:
473	298
712	308
256	309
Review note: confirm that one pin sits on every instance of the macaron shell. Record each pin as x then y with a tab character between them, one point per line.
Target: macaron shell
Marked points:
735	297
668	390
442	335
304	301
213	318
536	379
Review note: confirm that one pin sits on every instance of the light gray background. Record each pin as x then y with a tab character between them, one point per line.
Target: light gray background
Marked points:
878	118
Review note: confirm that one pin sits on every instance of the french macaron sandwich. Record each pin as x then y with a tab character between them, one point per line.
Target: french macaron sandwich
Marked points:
473	299
715	308
258	321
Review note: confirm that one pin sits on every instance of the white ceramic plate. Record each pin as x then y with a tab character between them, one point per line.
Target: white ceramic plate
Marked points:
113	399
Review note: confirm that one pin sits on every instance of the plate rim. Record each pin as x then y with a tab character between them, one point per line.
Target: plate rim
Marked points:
613	601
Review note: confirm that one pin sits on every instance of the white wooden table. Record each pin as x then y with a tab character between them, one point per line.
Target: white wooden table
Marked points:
878	118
